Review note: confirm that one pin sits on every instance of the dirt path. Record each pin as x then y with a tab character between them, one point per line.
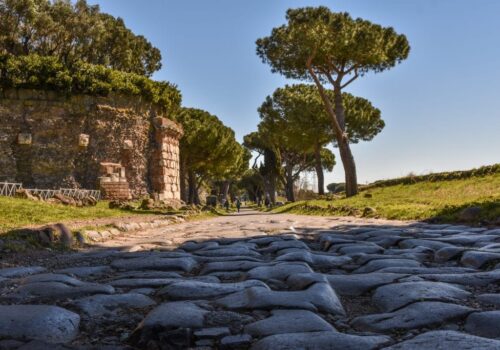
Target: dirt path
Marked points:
247	223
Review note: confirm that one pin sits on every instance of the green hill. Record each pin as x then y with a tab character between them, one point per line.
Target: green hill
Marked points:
441	197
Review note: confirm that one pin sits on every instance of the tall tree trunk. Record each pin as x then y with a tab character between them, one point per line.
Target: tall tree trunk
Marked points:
192	188
289	182
182	178
272	188
225	188
338	122
270	165
351	180
319	170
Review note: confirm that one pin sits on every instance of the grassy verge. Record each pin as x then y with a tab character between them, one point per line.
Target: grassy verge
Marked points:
15	213
440	201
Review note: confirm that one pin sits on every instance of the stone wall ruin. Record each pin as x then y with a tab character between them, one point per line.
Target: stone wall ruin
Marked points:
49	140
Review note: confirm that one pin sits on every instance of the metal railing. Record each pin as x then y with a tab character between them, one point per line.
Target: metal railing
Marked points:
44	194
79	193
9	189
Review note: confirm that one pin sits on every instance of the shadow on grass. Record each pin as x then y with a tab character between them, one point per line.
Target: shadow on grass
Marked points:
486	212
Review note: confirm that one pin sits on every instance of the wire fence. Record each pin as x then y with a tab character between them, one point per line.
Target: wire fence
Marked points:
9	189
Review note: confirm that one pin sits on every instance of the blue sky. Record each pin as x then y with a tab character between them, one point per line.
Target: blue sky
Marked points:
441	106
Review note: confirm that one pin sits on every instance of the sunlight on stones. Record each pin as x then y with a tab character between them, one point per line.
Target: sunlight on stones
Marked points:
272	292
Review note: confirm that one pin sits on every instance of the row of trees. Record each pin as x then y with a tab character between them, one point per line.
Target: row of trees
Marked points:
295	131
74	32
210	156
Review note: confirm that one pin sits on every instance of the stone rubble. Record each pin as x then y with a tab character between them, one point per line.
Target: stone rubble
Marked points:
414	286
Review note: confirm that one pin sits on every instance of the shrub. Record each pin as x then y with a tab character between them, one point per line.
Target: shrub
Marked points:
47	73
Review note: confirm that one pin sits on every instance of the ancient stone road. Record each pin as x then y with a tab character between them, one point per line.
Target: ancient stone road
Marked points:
264	282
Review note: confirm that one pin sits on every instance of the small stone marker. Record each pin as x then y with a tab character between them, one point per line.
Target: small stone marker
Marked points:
24	139
83	140
128	144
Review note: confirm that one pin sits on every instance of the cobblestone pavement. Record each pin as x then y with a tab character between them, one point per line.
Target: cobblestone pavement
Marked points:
261	282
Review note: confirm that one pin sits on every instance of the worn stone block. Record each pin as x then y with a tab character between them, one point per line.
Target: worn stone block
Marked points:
83	140
24	139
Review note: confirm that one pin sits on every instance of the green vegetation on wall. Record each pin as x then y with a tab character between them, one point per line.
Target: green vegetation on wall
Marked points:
48	73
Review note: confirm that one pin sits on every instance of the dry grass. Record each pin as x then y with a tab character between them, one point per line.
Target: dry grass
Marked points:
441	201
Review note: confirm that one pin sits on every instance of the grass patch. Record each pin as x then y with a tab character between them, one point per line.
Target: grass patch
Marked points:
441	201
16	212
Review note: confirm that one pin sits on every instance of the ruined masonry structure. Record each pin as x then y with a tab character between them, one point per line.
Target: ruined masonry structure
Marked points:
165	164
113	182
48	140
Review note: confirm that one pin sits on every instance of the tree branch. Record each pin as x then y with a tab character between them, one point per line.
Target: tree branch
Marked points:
350	80
324	97
354	67
254	166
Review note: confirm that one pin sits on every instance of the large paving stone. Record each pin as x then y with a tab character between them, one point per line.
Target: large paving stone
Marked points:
466	239
471	279
41	322
379	264
323	260
288	321
237	341
448	253
478	259
87	271
446	340
156	282
394	296
357	284
230	250
279	271
108	305
362	259
192	290
434	245
13	272
302	281
242	265
185	264
319	297
56	290
169	326
177	314
428	270
191	246
146	274
213	332
416	315
493	299
385	242
285	244
142	282
51	277
484	324
352	249
320	341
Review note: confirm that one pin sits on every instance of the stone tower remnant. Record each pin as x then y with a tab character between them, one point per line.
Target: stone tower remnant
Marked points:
165	160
